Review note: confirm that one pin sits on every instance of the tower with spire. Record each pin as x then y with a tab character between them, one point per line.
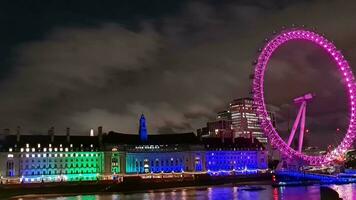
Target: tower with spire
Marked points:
143	130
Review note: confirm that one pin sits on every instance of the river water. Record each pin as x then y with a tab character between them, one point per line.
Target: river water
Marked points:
347	192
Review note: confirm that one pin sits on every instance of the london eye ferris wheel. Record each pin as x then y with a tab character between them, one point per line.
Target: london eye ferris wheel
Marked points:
259	98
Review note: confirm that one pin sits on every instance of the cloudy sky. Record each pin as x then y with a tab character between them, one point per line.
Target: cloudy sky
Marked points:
80	64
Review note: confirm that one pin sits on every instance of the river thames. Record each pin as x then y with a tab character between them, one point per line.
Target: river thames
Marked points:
347	192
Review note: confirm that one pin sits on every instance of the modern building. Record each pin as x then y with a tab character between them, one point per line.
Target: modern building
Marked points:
54	158
239	120
224	115
245	121
219	128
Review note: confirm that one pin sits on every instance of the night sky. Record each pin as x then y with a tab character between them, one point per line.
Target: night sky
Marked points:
83	64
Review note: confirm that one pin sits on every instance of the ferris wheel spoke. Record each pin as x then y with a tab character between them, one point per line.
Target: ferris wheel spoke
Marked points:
295	125
302	126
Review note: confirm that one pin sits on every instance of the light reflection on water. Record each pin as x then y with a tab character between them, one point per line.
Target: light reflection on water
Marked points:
346	192
219	192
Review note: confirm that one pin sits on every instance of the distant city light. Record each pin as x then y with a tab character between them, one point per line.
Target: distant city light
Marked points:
91	132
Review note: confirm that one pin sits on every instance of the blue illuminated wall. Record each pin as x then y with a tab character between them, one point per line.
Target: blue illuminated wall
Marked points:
234	160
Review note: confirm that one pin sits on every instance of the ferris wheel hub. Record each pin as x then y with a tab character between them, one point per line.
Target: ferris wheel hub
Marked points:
306	97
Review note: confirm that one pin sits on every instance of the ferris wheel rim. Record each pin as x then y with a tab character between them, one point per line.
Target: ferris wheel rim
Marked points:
258	93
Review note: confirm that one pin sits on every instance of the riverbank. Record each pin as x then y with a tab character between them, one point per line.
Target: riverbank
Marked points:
225	191
129	184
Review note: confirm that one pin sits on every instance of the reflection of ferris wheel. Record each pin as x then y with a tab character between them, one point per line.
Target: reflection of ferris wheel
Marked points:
258	94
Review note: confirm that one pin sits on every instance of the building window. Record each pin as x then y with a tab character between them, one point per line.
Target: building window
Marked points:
10	168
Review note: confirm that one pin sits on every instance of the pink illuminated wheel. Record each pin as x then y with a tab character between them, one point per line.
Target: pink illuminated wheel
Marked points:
258	94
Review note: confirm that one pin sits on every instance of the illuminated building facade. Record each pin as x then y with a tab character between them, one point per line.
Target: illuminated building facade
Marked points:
244	120
238	155
42	158
56	158
58	166
160	153
141	162
236	160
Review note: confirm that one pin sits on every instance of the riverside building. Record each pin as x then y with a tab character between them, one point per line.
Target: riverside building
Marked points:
106	156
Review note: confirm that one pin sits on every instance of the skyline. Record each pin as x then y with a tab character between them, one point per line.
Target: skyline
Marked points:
178	66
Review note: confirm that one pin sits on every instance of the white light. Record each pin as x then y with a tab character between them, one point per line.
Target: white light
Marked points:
33	149
39	145
10	155
91	132
21	149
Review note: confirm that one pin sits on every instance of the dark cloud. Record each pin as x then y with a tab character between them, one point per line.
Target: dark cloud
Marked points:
178	69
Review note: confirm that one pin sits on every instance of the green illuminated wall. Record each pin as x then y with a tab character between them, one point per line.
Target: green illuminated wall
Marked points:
63	165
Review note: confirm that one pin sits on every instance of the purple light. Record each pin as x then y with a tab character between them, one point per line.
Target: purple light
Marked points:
258	91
